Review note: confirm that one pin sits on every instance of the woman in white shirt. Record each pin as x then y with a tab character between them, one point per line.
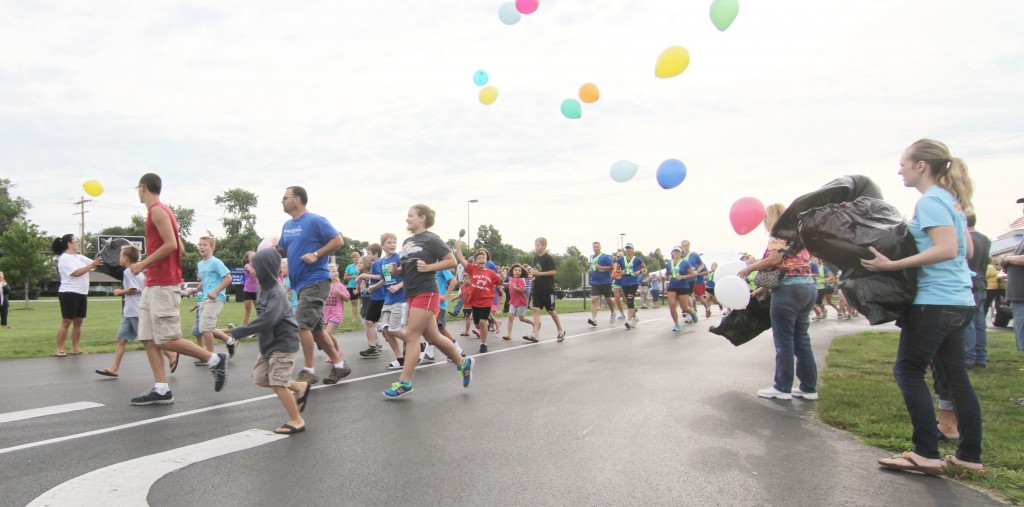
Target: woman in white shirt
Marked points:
73	293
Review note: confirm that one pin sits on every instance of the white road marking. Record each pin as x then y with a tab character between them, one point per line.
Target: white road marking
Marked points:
45	411
128	482
144	422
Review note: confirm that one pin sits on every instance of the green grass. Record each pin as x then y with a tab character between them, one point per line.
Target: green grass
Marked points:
861	397
33	332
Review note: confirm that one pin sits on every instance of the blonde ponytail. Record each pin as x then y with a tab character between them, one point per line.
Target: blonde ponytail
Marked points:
948	171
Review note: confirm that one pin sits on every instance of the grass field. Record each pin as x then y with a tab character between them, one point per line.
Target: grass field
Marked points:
33	332
860	396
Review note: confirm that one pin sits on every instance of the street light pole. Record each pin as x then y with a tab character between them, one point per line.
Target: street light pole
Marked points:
622	240
469	229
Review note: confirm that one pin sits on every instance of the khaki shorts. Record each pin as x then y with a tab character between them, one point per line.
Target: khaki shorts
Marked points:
275	370
159	315
310	312
208	314
394	316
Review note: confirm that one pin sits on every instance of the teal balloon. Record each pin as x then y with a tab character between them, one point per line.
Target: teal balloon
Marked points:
571	109
480	77
623	171
671	173
723	13
508	13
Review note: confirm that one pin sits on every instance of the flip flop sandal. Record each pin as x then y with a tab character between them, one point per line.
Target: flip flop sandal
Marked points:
301	400
506	337
974	467
77	353
174	363
288	429
907	462
106	373
60	354
531	339
561	337
463	334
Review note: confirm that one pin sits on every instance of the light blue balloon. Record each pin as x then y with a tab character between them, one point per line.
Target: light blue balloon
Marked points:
623	170
571	109
508	14
480	77
671	173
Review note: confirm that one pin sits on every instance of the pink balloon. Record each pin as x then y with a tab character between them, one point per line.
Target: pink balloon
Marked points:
527	6
746	214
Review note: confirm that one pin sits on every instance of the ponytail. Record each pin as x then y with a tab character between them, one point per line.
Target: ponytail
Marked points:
949	172
60	244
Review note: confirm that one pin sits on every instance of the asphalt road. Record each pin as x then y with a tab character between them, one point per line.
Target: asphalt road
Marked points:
609	417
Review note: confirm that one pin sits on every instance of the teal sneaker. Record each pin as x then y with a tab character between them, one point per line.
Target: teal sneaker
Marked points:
398	389
676	328
466	370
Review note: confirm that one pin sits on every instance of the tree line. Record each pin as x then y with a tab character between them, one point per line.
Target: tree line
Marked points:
28	263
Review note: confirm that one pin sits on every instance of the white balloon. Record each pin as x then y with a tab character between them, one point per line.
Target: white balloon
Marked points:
508	13
732	291
729	269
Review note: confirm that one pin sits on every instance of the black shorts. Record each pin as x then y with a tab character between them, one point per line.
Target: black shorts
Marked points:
711	290
249	296
373	310
481	313
681	291
601	290
629	292
72	305
363	303
544	299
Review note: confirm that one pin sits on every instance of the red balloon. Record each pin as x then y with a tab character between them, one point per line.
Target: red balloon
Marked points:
746	214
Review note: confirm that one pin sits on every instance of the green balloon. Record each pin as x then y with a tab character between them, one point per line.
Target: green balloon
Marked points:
723	13
571	109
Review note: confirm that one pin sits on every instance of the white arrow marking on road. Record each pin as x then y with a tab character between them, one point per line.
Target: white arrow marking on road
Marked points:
40	412
128	482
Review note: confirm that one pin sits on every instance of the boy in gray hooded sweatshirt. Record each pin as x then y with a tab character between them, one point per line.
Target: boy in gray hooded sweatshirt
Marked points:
278	333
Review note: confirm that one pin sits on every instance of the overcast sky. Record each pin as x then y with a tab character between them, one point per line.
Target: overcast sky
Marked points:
372	107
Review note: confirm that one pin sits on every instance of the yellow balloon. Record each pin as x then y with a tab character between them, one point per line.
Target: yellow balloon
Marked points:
93	188
589	93
672	62
488	95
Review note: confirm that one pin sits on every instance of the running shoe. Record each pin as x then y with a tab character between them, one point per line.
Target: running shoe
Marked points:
629	324
483	348
220	373
636	321
611	319
676	328
397	364
466	370
797	393
771	392
305	376
622	317
153	398
591	322
371	351
231	349
200	363
694	315
427	358
338	374
398	389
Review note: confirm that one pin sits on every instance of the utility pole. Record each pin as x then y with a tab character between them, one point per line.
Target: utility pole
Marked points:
81	211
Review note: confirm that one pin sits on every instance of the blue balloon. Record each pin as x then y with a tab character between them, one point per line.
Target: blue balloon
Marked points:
480	77
671	173
508	13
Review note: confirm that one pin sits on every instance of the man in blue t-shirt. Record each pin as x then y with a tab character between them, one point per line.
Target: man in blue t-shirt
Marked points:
601	266
698	285
632	267
306	241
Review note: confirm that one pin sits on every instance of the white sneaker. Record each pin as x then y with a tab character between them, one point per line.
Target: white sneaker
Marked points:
797	393
636	320
611	319
771	392
394	365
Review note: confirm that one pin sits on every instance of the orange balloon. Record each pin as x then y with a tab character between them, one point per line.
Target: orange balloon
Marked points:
589	93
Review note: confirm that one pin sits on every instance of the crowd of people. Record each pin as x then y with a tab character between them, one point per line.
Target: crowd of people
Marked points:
402	296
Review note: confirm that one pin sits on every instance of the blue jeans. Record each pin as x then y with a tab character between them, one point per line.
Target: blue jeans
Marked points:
1018	323
976	334
934	334
458	306
791	317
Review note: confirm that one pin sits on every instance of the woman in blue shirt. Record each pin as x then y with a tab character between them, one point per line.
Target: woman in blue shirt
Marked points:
932	328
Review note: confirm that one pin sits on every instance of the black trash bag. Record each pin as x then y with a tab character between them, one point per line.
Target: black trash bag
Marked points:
111	255
743	325
844	189
840	234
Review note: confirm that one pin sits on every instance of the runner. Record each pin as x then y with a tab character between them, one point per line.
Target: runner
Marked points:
679	274
351	279
632	267
375	302
517	299
395	311
699	288
617	286
307	240
601	267
484	282
544	289
446	285
423	253
159	308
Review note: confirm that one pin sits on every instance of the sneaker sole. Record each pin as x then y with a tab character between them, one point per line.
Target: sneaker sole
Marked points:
397	396
466	379
807	396
156	402
776	396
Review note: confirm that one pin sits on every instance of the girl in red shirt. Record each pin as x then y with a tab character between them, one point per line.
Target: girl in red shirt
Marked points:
482	281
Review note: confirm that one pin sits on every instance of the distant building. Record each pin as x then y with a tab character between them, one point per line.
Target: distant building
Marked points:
1006	243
